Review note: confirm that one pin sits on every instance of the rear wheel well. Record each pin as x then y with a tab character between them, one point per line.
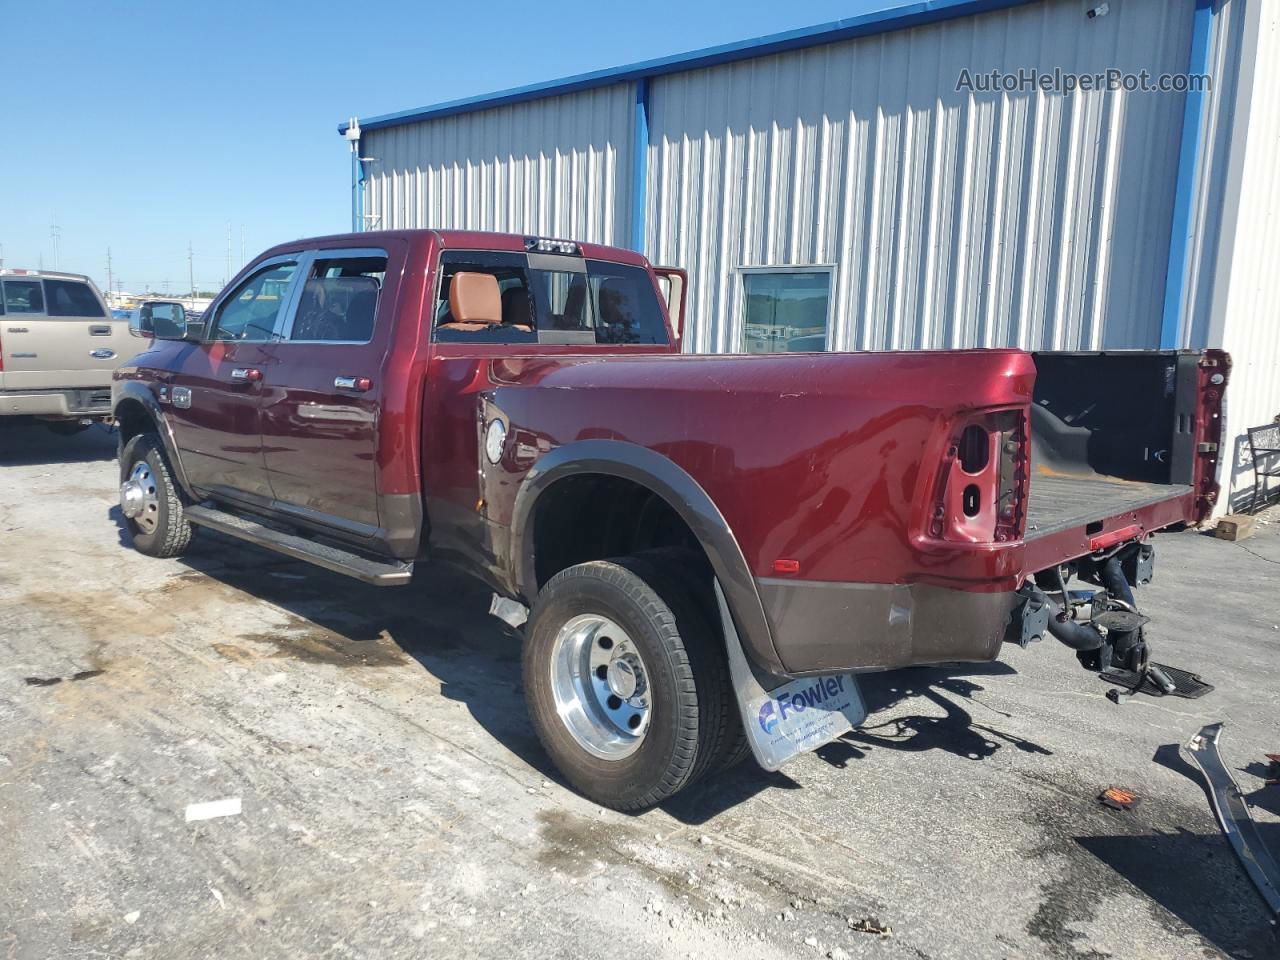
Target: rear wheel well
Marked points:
599	516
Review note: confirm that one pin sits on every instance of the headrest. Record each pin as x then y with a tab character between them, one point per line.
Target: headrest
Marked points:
474	298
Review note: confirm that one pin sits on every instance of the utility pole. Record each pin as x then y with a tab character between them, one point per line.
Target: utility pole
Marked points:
191	274
55	231
108	272
242	244
1	256
226	277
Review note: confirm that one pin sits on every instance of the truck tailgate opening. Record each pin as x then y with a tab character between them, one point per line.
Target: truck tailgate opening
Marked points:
1114	447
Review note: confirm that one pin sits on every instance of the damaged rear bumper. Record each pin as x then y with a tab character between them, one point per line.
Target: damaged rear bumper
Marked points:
1234	817
821	626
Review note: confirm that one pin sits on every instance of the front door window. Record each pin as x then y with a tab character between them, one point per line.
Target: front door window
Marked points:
250	313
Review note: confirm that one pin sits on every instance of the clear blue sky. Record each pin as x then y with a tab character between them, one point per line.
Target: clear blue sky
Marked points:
146	126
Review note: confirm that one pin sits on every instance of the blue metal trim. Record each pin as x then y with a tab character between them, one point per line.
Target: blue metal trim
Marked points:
640	165
905	15
360	221
1180	233
355	189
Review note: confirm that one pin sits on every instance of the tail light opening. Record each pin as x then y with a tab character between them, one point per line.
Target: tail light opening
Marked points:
982	488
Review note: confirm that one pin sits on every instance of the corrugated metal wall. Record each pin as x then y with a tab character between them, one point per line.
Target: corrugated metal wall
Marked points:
1251	319
556	167
953	219
1213	215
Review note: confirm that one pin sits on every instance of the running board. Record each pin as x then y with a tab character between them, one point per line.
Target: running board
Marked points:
380	573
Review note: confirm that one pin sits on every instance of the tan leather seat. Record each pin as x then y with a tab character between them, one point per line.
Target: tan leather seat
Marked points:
474	302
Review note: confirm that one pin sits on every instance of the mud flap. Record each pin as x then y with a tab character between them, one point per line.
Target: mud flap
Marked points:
793	716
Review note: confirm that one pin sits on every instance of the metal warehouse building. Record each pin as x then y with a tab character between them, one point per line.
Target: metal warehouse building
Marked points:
861	186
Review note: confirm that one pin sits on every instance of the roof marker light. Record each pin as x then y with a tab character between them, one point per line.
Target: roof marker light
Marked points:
548	245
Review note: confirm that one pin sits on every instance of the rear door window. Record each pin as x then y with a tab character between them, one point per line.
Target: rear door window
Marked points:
23	296
339	300
71	298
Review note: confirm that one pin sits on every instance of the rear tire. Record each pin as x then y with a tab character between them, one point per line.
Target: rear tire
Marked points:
150	499
683	679
686	574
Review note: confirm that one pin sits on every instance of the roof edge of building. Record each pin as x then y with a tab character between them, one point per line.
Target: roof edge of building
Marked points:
902	16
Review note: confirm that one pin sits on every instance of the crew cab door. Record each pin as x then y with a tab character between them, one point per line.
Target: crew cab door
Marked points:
321	398
56	333
212	399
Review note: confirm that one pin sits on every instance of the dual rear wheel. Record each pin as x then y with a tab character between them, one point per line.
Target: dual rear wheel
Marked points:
627	681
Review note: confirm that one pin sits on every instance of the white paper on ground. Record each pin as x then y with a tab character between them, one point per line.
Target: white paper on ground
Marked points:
214	808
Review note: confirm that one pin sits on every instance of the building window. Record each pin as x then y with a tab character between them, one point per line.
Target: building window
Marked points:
787	309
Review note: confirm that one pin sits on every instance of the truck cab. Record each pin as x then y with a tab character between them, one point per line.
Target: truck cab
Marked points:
708	548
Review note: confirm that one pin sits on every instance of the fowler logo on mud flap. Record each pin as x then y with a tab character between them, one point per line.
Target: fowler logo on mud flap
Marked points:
774	711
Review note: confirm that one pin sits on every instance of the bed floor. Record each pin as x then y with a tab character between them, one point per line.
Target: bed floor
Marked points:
1059	503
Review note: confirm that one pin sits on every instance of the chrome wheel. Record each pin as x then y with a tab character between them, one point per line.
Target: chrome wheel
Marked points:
600	686
138	500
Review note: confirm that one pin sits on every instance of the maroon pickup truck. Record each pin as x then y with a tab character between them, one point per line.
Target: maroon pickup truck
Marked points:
711	546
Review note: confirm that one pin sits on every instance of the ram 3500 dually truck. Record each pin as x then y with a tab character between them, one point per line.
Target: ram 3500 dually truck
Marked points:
712	546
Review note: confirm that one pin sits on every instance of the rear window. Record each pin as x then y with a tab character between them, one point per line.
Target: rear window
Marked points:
23	296
553	299
612	301
71	298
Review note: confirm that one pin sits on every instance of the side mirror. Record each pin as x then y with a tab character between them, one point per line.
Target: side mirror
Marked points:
168	320
140	324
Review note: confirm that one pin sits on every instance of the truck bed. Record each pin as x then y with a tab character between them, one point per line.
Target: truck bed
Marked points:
1114	449
1058	503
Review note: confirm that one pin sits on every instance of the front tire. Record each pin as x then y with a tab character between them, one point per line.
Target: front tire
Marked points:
150	500
628	688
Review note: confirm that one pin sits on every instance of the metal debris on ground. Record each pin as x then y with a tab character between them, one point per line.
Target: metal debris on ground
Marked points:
1235	819
1117	798
870	925
1273	772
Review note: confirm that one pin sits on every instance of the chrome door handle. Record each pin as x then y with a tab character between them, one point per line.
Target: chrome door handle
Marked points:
362	384
246	374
